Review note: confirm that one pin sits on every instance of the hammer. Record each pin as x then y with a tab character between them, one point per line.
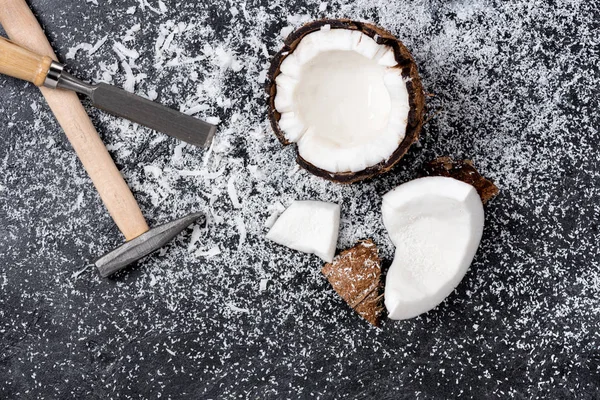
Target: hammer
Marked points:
24	30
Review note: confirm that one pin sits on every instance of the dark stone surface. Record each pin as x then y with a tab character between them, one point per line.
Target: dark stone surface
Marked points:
518	87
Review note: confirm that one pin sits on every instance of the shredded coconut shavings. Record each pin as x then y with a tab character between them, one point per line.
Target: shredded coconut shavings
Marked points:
232	192
516	86
213	251
262	287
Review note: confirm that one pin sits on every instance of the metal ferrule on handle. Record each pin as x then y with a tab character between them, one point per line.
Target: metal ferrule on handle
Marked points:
59	78
54	73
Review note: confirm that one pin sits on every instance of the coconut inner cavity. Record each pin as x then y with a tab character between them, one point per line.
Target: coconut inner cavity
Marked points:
342	96
342	100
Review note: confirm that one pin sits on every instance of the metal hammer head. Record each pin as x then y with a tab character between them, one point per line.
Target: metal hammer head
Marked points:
143	245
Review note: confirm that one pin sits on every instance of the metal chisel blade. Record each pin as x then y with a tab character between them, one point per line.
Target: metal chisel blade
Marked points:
153	115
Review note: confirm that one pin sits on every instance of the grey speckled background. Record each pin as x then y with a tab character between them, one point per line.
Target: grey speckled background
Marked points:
517	83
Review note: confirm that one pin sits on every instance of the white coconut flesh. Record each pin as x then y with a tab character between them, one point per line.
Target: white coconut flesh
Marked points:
342	101
436	225
308	226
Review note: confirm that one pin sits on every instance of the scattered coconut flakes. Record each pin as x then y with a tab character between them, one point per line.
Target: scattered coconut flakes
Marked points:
98	45
196	109
131	10
152	94
446	41
171	352
153	280
130	34
124	53
233	307
152	170
151	8
262	287
262	76
162	7
73	50
216	218
129	84
232	192
214	251
169	39
196	233
178	152
214	175
76	274
213	120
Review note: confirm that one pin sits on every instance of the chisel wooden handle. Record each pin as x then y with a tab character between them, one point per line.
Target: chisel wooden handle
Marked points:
21	26
21	63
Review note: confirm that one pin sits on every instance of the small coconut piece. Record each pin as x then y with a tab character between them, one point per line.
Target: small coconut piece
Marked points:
349	95
355	275
436	224
464	171
308	226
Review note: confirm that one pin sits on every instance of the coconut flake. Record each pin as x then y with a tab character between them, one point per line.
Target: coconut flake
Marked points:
130	34
232	192
73	50
196	233
123	52
178	152
98	45
212	252
237	309
162	7
196	108
129	84
262	287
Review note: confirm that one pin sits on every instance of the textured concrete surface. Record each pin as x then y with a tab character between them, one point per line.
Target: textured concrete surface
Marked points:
516	85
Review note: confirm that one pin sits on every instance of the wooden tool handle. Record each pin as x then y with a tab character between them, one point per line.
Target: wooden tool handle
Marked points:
21	63
21	26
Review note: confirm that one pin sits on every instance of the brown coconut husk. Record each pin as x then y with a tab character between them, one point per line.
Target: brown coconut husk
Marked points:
462	170
355	274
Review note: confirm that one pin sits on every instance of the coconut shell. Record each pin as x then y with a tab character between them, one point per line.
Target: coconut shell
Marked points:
355	275
464	171
409	71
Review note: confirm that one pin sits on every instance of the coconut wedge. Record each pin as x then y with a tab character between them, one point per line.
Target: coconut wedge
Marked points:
349	95
436	224
308	226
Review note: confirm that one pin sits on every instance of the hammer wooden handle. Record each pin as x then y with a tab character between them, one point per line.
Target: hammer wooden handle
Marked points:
21	26
21	63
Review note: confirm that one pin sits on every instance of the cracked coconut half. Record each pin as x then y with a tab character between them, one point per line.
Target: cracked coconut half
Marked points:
349	95
436	223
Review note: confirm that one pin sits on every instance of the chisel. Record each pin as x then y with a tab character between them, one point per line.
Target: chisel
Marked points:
22	63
